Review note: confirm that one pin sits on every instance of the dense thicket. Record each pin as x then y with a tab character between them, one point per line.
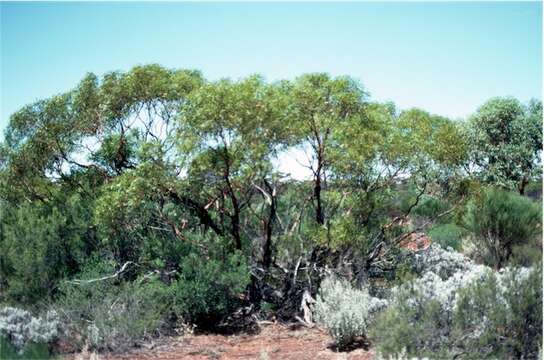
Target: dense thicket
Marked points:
174	180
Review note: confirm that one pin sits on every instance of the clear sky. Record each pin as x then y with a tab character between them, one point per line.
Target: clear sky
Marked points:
447	58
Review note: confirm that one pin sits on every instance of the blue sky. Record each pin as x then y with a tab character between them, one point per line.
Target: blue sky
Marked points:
447	58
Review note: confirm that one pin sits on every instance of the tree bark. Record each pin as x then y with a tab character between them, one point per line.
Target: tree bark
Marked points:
319	217
235	225
521	187
269	226
235	217
198	210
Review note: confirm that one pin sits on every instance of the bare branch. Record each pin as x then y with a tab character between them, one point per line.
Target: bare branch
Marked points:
119	272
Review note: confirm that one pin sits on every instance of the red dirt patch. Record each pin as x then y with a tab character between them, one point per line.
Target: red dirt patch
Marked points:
273	342
416	242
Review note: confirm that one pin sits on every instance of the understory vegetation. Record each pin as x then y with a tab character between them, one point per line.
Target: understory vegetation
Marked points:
474	313
154	202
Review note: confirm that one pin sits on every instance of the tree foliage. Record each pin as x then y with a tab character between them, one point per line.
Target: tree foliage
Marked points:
507	142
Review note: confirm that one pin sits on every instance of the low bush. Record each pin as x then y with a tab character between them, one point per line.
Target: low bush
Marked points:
345	312
208	290
32	351
439	261
414	325
26	334
473	314
502	315
448	235
501	220
112	314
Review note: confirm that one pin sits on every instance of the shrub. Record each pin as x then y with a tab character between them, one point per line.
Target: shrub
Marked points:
499	221
447	235
344	311
475	313
418	319
413	325
32	351
40	245
439	261
209	289
527	254
503	314
112	314
19	328
430	207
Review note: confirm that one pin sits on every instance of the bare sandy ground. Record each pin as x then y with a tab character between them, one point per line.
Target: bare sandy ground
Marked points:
273	342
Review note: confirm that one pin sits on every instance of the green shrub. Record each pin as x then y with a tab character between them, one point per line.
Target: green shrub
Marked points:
40	245
447	235
208	289
404	271
429	207
32	351
527	254
112	314
501	220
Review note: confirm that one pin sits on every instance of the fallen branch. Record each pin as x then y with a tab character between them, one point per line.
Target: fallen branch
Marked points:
306	305
81	282
304	323
150	274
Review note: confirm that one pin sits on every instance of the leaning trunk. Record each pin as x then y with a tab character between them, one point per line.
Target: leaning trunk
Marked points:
319	217
269	224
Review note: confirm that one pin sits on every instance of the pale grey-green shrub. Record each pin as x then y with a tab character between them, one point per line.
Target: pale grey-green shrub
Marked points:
20	328
114	317
458	307
432	287
445	272
402	355
442	262
477	312
345	311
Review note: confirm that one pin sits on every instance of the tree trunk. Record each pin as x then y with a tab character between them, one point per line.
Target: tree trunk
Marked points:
197	209
522	185
235	226
319	217
235	217
269	226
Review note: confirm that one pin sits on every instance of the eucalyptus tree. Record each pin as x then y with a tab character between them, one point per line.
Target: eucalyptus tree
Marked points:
320	105
432	150
86	144
229	131
506	138
97	126
435	146
374	157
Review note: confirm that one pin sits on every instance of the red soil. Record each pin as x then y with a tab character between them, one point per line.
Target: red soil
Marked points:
273	342
416	242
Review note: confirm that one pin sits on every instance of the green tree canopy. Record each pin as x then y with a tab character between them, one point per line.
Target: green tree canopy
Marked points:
507	142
